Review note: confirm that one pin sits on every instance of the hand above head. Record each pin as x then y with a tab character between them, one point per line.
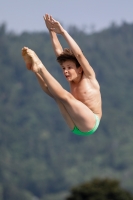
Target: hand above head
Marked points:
53	25
47	19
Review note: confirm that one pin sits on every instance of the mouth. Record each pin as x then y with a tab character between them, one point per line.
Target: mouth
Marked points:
67	76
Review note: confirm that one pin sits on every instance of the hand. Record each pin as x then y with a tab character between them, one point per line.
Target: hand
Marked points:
52	24
47	19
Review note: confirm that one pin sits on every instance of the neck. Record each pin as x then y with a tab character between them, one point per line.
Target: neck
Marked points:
77	80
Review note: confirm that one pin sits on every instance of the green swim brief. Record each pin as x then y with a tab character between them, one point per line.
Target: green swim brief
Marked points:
78	132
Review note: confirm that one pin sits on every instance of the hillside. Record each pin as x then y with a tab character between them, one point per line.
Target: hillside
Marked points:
39	155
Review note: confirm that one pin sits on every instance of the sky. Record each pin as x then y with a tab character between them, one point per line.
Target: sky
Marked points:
96	15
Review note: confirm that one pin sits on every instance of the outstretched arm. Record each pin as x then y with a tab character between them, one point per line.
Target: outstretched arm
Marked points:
57	28
55	42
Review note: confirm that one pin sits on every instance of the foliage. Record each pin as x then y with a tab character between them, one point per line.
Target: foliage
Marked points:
100	189
39	155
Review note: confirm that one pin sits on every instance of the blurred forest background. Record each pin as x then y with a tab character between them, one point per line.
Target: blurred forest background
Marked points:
39	157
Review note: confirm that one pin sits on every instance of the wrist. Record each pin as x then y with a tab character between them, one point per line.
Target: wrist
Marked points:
52	33
63	31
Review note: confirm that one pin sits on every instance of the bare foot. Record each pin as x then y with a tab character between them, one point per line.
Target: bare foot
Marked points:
32	61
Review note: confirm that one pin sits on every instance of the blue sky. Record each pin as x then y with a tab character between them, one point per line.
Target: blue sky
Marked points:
26	15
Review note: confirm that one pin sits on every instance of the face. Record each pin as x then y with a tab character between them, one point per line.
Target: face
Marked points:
70	71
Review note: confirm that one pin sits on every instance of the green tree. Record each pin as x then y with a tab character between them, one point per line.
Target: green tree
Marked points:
100	189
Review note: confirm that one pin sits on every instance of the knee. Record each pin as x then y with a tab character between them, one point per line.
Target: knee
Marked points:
66	97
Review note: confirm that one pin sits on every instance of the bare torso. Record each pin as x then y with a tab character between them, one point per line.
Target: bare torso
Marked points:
88	92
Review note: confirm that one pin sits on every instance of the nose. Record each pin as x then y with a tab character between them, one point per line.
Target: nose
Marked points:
65	71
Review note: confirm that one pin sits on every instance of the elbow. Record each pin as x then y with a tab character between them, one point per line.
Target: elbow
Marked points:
79	55
58	52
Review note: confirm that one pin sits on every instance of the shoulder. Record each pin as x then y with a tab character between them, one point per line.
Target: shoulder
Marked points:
91	80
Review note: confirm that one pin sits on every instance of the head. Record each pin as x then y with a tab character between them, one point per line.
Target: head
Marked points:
70	65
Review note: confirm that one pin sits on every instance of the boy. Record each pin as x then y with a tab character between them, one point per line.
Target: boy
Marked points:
82	106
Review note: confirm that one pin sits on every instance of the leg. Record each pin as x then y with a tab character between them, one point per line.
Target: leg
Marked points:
43	85
60	105
79	113
65	115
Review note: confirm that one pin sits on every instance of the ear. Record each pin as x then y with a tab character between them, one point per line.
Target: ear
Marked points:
80	70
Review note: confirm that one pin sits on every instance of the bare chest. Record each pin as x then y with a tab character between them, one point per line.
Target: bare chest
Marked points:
83	90
88	92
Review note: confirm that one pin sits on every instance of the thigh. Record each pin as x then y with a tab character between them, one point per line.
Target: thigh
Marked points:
81	115
65	114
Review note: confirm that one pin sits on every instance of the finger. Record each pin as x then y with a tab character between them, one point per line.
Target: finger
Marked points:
50	18
53	20
46	16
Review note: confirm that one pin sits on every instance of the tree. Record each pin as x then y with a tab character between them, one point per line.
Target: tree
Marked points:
100	189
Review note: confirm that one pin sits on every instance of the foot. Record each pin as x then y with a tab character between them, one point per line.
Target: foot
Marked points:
32	61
